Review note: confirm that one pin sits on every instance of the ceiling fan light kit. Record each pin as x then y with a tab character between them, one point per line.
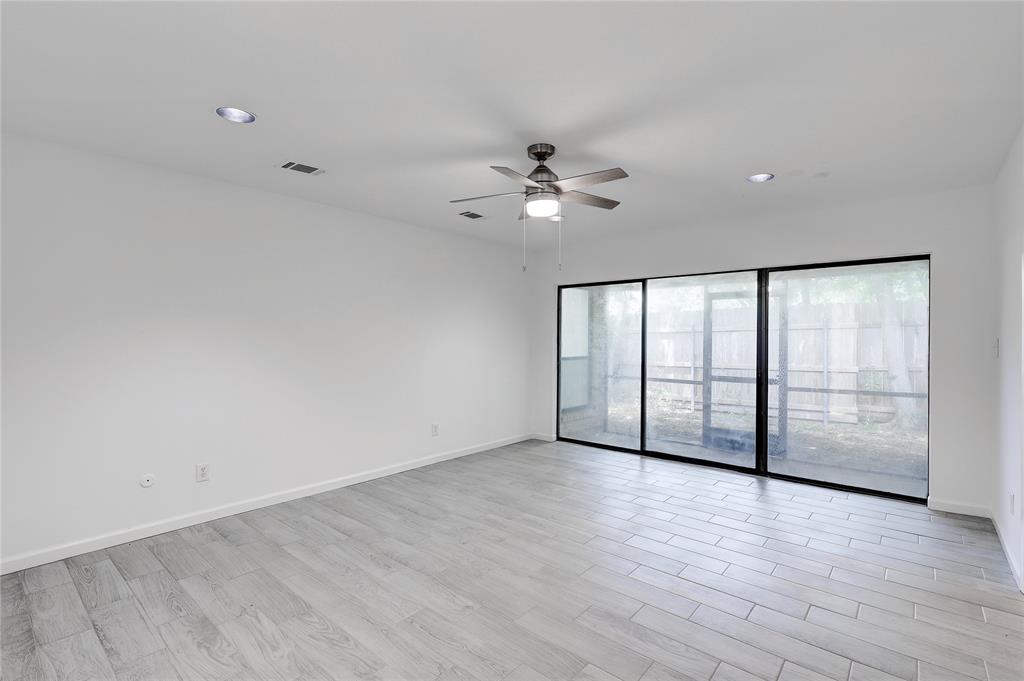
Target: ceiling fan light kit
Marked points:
543	192
542	204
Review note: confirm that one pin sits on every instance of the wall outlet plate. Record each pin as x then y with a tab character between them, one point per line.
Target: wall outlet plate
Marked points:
202	472
435	430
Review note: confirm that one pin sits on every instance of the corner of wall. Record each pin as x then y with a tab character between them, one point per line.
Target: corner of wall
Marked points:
1008	464
1015	568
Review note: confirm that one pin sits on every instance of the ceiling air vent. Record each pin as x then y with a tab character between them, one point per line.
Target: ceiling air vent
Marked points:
303	168
471	215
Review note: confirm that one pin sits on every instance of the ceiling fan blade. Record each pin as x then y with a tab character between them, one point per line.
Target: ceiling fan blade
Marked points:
588	200
569	184
489	196
513	175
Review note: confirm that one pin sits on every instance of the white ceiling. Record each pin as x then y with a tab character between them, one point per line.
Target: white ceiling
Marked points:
406	105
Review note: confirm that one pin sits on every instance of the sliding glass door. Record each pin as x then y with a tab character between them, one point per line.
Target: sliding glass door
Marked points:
848	374
599	364
816	373
702	367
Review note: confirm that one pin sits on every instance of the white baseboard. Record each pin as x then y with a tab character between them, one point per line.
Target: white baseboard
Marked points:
543	436
982	512
1018	574
48	555
950	506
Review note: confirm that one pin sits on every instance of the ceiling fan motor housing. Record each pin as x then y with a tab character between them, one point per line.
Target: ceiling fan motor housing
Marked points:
541	152
542	174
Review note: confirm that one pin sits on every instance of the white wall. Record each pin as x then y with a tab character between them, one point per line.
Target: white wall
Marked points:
954	227
1009	466
154	320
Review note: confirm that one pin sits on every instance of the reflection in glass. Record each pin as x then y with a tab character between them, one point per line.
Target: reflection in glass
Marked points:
599	367
702	367
848	375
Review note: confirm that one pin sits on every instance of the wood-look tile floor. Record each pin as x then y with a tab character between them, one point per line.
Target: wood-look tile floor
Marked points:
530	562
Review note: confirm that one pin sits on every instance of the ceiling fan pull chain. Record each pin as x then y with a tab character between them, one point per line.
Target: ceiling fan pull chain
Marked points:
526	216
560	236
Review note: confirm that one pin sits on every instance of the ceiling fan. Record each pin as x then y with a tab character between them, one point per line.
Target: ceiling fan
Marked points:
543	192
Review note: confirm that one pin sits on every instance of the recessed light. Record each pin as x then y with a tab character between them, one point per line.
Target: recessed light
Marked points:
761	177
234	115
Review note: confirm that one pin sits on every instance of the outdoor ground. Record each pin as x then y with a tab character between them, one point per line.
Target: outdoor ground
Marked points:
883	456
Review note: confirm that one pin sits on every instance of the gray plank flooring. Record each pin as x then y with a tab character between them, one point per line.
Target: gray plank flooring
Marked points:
535	562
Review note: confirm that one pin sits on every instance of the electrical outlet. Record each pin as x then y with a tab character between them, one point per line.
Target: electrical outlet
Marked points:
435	430
202	472
147	480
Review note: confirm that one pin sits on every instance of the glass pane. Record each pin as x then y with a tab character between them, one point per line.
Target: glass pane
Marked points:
702	367
600	364
848	375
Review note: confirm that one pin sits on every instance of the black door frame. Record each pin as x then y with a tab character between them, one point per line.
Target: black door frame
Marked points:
761	434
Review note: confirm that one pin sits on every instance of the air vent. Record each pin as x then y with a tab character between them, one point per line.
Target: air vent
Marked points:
303	168
471	215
